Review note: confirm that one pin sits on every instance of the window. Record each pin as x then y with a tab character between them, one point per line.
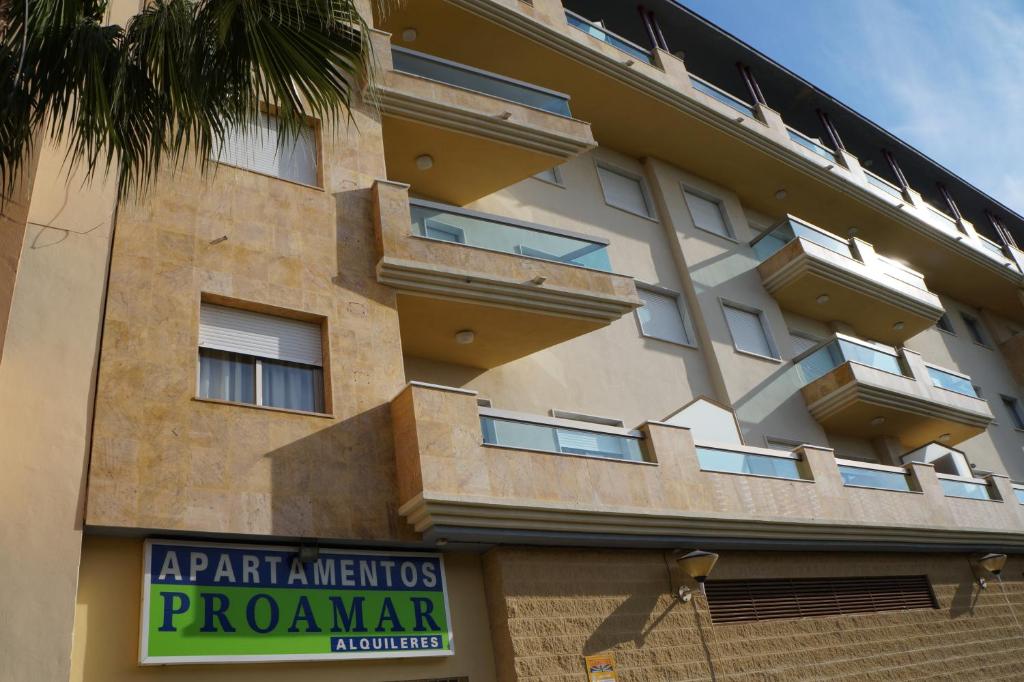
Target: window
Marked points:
435	229
801	343
732	601
626	191
551	175
944	324
258	147
662	318
707	215
749	331
1016	414
781	443
248	357
975	329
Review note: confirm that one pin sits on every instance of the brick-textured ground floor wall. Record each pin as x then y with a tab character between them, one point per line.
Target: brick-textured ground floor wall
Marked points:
550	607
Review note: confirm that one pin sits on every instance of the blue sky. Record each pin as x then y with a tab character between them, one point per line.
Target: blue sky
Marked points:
947	76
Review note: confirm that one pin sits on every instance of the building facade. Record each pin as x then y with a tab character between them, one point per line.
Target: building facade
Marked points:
443	393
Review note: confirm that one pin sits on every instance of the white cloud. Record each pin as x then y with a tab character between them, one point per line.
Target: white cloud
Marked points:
950	75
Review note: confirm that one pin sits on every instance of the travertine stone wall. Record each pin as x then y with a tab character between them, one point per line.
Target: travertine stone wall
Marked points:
563	604
162	459
440	457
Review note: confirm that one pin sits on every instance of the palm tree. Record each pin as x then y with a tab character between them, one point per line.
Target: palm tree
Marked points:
169	85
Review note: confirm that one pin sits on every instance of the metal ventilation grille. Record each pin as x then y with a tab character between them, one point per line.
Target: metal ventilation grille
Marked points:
734	601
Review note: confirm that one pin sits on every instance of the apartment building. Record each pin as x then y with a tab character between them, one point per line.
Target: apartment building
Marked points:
450	393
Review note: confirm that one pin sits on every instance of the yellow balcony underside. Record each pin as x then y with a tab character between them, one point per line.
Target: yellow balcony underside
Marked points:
478	144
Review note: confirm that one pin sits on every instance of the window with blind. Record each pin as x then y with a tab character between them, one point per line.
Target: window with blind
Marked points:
707	215
801	343
661	317
735	601
257	359
259	147
749	330
625	191
551	175
974	327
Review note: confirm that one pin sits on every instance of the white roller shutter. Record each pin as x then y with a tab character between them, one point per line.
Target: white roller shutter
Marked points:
748	332
801	343
707	214
660	317
265	336
624	191
256	147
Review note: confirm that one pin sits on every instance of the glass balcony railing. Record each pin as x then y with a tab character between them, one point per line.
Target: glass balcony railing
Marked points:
618	42
735	462
459	226
468	78
958	487
812	145
952	382
789	229
722	96
841	350
863	477
524	435
991	247
883	184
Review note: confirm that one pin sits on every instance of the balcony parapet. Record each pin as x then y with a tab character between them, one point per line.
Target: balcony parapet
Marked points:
452	486
861	388
825	277
516	296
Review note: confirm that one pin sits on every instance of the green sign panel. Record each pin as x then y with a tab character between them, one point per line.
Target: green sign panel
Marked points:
206	603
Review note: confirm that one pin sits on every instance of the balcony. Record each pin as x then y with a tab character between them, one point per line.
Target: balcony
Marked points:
818	275
458	133
859	388
572	482
605	36
518	287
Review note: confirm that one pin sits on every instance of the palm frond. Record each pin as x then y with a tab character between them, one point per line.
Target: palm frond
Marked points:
170	85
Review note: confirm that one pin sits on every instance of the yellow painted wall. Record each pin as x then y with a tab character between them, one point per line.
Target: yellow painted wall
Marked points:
46	387
107	630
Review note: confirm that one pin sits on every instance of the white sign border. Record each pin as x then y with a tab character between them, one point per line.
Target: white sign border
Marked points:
147	660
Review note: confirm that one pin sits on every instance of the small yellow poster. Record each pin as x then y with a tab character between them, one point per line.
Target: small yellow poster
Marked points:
601	668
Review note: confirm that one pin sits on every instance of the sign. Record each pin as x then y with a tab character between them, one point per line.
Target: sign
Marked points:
601	668
205	603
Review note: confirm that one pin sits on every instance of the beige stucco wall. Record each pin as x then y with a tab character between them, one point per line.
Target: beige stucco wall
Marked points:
563	604
46	388
613	371
107	630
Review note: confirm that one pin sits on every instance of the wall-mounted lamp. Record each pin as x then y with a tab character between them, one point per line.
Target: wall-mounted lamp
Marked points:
990	563
697	565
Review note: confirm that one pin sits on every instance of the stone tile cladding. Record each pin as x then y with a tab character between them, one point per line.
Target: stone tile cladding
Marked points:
550	607
163	460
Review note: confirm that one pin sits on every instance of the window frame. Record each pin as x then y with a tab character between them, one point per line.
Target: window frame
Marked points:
315	128
684	316
805	336
976	330
765	328
556	171
319	321
952	330
730	229
1013	407
644	190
